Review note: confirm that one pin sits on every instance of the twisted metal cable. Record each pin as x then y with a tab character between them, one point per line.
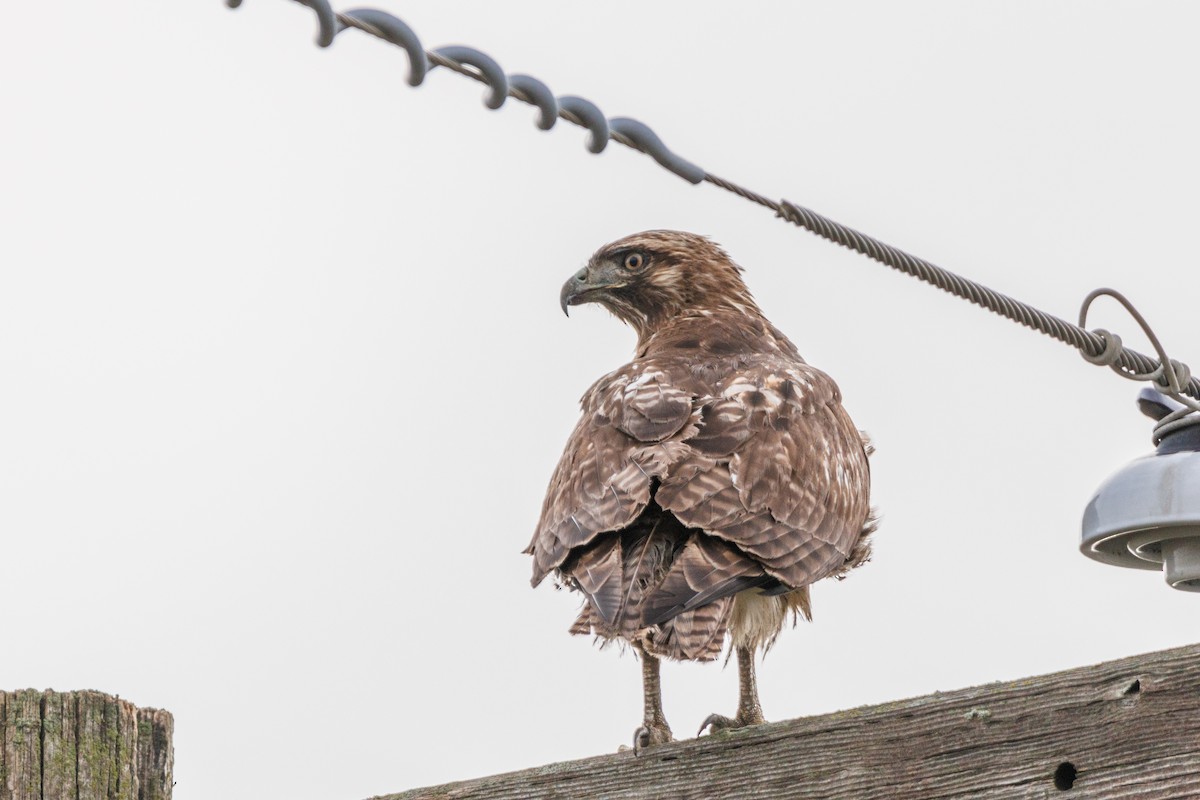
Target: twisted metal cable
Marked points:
1100	347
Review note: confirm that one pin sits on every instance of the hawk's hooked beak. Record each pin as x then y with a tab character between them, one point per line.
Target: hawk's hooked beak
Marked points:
586	285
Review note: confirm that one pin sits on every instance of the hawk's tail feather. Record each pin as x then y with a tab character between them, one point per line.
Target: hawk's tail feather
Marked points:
585	623
597	573
696	635
649	555
705	570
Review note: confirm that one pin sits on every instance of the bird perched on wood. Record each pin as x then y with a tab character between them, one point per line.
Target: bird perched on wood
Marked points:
709	482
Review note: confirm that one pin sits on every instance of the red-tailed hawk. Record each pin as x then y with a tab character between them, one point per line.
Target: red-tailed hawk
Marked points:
709	482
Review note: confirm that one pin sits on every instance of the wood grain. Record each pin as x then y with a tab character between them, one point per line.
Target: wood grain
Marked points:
1122	729
83	746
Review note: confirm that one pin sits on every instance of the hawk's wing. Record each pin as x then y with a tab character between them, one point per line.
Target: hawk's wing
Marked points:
632	420
776	468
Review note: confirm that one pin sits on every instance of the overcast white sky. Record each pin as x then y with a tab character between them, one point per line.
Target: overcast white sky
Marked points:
284	374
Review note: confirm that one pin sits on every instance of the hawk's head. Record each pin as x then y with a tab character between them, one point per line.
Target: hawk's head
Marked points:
652	277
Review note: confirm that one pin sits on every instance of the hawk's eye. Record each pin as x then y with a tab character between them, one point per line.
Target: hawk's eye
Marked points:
635	261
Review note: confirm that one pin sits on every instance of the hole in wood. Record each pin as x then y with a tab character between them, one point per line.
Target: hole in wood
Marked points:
1064	776
1134	687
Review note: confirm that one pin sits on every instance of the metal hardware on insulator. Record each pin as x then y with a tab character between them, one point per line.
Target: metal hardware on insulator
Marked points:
1147	515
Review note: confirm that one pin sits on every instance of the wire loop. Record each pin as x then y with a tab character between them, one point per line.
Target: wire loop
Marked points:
326	19
1109	354
492	75
648	142
391	29
586	113
530	90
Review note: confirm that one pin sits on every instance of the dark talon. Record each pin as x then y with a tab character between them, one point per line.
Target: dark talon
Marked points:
650	734
641	740
718	723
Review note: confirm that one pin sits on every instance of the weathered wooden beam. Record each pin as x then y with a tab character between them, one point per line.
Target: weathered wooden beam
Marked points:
1124	729
83	746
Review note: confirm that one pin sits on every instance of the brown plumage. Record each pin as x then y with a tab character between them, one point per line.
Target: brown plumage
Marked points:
710	481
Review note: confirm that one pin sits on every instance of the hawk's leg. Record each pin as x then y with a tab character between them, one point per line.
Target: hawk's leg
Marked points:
654	729
749	711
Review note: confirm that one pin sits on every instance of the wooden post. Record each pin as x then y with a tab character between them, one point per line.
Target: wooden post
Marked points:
83	746
1124	729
